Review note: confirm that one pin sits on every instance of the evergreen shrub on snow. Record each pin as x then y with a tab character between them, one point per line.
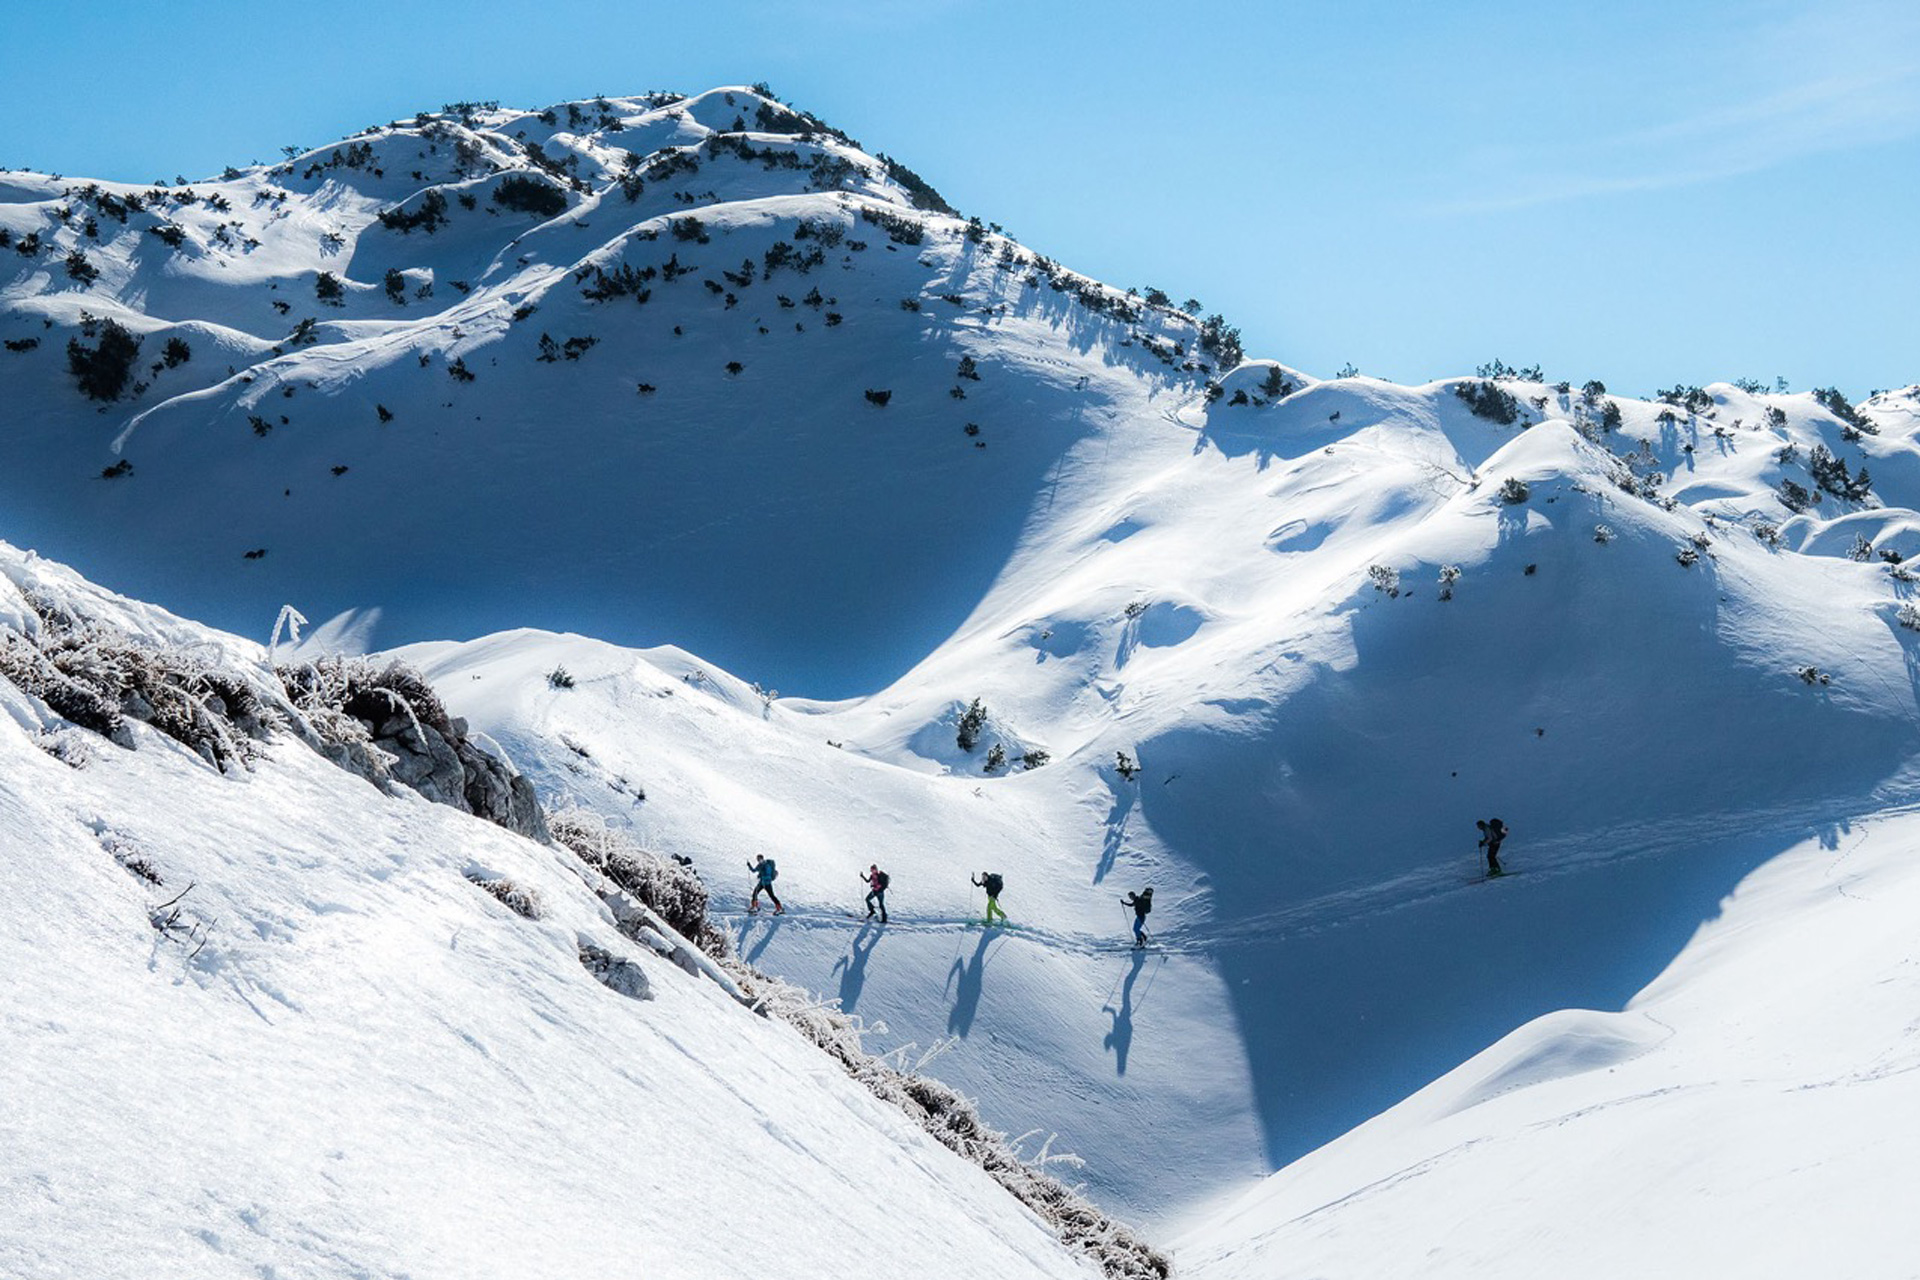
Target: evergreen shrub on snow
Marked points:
972	720
530	195
1487	401
102	370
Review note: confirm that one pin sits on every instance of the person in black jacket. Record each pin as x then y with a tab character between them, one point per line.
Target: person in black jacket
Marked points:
877	881
1142	903
1492	832
993	884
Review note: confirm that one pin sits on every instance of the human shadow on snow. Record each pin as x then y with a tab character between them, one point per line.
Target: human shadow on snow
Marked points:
964	980
852	967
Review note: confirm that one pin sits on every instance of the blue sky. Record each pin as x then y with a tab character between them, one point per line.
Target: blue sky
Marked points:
1647	193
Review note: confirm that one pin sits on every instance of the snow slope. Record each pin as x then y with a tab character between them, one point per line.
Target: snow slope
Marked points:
1332	623
345	1059
712	508
1743	1115
1313	754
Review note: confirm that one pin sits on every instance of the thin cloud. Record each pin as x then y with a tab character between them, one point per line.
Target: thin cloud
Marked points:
1874	101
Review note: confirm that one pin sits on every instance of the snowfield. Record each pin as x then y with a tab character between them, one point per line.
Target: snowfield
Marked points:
739	491
1743	1115
344	1058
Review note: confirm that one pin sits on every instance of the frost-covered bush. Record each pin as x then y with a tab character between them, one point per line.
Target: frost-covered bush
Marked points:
1603	533
1449	574
1908	615
79	701
1514	491
1687	555
98	677
1768	533
1384	578
69	746
521	899
955	1122
559	678
1861	551
1035	758
996	759
1123	764
674	892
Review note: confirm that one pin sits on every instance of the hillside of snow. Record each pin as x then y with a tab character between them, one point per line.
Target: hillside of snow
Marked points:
1743	1115
729	482
265	1021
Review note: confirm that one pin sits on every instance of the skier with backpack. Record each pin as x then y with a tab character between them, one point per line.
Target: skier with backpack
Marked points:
993	884
877	881
765	872
1492	832
1142	903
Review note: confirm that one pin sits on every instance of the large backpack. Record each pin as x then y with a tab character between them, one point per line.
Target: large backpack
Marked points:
885	880
768	871
1145	903
994	884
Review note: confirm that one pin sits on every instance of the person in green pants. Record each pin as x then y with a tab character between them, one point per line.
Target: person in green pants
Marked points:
993	884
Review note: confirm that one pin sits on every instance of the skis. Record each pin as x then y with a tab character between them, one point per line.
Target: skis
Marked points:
1491	875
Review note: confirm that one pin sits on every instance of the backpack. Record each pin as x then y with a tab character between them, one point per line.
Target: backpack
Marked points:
885	880
768	871
1145	903
994	884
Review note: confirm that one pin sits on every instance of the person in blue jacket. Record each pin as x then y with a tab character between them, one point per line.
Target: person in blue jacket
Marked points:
764	871
1142	903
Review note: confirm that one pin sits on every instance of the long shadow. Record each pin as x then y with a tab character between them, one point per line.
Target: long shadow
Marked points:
966	991
1124	796
1445	978
1120	1038
751	953
852	967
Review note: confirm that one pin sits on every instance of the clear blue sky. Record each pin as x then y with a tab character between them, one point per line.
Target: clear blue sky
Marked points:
1643	192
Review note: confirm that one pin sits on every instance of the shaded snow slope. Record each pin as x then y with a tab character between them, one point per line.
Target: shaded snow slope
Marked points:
1743	1115
1312	751
646	418
342	1057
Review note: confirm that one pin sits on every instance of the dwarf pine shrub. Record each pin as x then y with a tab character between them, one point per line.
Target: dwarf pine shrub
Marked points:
972	720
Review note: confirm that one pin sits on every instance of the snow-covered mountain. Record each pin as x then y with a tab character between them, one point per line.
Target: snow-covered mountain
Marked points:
702	375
